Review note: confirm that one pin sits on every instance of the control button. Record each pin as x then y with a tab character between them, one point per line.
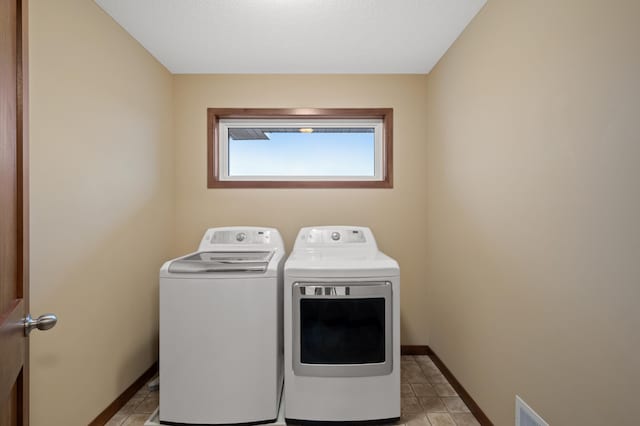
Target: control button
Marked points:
241	236
335	236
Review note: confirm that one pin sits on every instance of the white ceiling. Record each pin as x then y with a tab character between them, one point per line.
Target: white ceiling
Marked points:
295	36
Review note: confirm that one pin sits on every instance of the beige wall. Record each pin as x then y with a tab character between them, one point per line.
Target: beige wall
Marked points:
533	205
395	215
101	207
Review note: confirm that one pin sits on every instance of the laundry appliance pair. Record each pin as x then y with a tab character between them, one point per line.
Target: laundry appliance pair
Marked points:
236	320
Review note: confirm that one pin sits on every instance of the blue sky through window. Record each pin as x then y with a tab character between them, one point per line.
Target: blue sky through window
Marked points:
304	154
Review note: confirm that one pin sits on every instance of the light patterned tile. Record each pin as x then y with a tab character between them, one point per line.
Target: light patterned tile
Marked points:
418	420
441	419
405	390
423	389
408	418
410	405
136	420
413	375
455	405
142	392
407	358
423	359
445	389
117	419
432	404
465	419
154	395
149	404
418	378
131	406
430	370
410	368
437	379
411	365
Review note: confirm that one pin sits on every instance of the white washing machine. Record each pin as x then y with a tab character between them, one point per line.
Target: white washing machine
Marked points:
342	328
221	343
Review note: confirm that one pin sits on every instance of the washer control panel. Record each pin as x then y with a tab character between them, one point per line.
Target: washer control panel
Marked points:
240	237
245	237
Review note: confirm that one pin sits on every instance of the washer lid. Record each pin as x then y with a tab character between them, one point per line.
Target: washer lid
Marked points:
222	261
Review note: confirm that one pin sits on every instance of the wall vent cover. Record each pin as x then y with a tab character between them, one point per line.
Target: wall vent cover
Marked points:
525	416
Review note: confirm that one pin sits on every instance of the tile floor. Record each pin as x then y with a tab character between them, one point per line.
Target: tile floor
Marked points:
427	399
138	409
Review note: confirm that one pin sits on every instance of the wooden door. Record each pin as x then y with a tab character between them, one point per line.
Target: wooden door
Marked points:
14	214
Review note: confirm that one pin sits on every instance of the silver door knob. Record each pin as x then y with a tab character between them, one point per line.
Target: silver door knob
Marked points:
43	322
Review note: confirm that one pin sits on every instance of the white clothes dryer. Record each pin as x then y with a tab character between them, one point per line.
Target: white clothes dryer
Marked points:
221	342
342	328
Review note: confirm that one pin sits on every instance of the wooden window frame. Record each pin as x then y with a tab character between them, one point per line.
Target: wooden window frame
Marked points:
214	115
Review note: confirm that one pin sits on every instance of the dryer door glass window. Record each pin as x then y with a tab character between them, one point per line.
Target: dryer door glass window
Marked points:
342	331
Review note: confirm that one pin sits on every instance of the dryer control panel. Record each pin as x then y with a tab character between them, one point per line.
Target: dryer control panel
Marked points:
345	236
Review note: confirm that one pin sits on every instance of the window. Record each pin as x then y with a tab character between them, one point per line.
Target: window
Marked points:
306	148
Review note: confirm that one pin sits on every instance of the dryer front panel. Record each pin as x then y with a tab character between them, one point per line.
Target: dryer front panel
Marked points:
342	329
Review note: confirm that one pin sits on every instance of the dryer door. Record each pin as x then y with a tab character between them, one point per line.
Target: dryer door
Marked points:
342	329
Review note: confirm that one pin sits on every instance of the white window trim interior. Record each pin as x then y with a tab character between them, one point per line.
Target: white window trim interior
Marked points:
223	149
